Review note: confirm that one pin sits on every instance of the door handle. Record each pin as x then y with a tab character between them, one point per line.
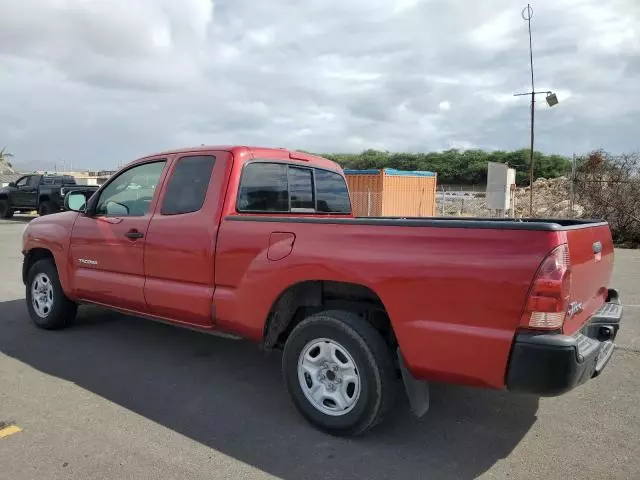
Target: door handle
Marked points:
134	234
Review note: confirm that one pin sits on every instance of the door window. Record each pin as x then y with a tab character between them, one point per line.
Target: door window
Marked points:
130	193
34	181
187	187
22	182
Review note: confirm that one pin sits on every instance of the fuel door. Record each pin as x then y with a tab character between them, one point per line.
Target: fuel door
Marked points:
280	245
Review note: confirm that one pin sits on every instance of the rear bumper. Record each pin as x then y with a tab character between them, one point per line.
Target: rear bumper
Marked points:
550	364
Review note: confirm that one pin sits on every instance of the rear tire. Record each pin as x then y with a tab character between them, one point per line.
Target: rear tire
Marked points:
6	211
48	306
339	372
45	208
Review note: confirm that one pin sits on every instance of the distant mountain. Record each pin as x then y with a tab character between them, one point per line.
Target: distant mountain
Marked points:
39	165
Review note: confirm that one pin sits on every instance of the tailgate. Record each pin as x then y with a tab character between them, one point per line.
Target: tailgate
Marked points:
591	257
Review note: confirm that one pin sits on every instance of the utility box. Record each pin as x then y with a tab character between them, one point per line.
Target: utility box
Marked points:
501	184
392	193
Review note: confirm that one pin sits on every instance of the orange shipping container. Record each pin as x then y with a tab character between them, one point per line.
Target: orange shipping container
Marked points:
392	193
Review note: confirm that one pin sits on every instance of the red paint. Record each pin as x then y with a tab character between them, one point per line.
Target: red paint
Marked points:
280	245
455	296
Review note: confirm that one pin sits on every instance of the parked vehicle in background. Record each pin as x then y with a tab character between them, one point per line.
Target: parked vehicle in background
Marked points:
261	243
43	193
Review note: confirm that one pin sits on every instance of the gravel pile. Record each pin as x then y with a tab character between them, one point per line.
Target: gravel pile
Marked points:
551	199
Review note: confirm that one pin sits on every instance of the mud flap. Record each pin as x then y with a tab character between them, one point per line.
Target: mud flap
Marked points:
417	391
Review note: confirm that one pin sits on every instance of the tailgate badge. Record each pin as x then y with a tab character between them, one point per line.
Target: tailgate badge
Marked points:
597	251
574	307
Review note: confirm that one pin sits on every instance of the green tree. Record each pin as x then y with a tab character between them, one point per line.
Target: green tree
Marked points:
458	167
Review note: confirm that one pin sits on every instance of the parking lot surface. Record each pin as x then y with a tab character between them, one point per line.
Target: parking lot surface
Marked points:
125	398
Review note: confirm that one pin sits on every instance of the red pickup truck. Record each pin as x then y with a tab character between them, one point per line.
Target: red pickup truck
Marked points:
261	243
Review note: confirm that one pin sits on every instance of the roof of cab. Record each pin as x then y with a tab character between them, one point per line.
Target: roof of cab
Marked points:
246	153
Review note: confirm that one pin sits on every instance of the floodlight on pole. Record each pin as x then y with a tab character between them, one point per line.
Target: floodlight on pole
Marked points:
551	98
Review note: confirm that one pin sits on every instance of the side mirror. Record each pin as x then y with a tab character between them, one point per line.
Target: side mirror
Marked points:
76	202
12	184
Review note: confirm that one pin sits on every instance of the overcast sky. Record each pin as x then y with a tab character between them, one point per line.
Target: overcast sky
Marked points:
101	82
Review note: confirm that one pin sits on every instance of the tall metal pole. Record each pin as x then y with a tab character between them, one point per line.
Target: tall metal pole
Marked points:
571	184
552	99
527	13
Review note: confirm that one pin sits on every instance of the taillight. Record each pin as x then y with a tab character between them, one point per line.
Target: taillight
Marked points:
548	300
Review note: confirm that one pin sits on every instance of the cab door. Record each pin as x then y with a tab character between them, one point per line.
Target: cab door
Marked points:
25	194
107	243
181	244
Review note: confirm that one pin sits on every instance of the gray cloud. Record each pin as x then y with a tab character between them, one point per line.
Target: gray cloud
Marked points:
98	83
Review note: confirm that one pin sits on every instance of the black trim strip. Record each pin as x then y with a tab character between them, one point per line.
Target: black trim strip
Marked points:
441	222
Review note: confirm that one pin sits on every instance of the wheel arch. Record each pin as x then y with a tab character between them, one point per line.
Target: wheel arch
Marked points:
34	255
311	296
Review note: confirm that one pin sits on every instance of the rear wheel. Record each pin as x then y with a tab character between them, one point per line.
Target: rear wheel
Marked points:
5	209
48	306
339	372
45	208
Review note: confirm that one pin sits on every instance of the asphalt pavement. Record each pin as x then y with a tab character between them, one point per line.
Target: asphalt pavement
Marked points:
125	398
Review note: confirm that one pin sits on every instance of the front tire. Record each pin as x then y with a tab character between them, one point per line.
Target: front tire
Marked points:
48	306
339	372
45	208
6	211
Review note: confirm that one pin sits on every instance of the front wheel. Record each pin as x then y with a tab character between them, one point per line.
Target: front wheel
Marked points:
339	372
6	211
48	306
45	208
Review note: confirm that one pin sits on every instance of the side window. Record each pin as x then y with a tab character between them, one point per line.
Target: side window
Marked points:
331	193
131	192
51	181
34	181
263	188
301	188
23	182
187	187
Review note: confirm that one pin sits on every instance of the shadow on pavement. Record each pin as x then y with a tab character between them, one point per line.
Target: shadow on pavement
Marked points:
229	396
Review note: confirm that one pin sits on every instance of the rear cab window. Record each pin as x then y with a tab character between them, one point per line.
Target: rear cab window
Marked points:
271	187
52	181
331	192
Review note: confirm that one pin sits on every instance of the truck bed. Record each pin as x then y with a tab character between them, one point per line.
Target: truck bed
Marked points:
457	288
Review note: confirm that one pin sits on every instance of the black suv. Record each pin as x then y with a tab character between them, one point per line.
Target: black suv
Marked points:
44	193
